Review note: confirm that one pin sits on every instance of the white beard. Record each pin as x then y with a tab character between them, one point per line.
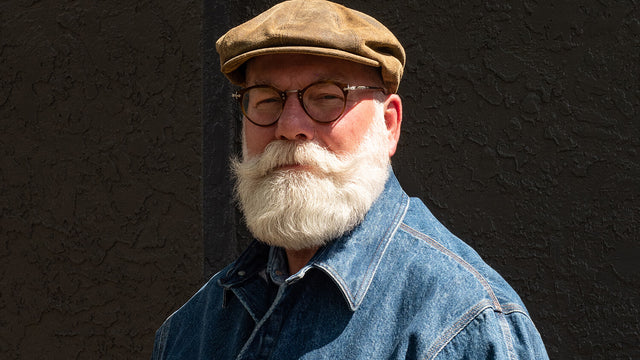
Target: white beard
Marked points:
306	208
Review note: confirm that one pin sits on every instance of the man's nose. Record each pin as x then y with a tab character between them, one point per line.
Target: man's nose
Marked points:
294	123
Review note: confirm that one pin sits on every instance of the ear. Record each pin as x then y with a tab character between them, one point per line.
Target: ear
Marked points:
393	120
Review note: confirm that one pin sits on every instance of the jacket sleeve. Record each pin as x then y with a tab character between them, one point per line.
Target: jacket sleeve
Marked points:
160	341
509	335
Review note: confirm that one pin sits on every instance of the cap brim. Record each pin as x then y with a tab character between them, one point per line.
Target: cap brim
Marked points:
234	63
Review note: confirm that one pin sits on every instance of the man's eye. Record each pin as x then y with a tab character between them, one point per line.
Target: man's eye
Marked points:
267	102
331	97
326	97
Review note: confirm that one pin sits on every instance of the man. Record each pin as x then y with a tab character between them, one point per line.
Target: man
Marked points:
345	265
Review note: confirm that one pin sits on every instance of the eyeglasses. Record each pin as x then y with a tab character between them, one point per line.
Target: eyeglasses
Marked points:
323	101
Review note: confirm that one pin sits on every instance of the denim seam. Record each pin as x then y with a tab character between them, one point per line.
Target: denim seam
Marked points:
458	259
338	280
445	338
259	324
504	325
386	240
506	334
511	308
515	308
356	298
244	303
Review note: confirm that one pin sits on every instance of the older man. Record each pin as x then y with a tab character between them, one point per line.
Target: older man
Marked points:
346	265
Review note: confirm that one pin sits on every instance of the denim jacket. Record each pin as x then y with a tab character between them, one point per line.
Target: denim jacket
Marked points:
398	286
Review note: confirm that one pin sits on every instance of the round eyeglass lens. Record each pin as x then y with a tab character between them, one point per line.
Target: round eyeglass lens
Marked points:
262	105
324	102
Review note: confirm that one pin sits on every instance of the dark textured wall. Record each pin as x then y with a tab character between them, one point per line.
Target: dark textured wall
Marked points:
523	129
521	133
100	164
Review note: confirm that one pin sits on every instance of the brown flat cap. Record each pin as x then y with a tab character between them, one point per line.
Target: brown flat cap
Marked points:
314	27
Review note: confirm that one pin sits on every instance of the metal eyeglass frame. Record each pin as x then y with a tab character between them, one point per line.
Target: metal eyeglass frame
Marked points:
239	95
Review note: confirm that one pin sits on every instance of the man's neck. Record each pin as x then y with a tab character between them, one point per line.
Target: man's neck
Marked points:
299	258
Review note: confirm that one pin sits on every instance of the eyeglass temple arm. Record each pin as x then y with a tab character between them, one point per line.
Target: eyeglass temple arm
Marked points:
362	87
236	95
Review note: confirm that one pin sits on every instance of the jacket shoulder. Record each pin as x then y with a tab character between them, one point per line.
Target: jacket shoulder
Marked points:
174	337
458	293
449	256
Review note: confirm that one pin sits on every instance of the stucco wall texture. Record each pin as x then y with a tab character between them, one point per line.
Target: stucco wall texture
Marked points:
521	133
523	130
100	148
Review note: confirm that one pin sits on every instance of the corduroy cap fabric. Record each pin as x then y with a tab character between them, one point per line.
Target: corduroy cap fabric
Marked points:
314	27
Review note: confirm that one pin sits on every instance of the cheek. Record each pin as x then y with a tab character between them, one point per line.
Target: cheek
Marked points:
347	135
256	138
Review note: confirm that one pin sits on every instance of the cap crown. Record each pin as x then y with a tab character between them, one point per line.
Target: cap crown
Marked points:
314	27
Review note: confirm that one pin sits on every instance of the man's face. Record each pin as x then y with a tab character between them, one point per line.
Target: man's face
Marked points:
291	72
303	183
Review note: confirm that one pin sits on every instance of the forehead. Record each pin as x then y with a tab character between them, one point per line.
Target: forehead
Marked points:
298	70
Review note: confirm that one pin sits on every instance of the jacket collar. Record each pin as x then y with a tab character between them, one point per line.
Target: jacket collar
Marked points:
351	260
